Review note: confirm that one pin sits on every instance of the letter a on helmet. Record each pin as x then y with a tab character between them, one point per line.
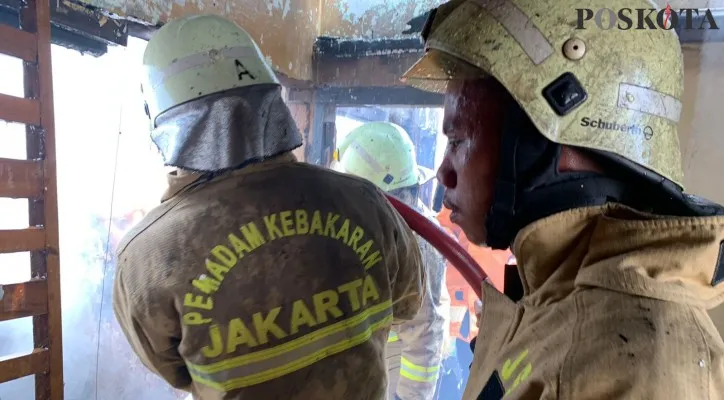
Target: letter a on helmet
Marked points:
613	91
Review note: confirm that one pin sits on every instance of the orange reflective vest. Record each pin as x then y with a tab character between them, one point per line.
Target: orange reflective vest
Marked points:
462	295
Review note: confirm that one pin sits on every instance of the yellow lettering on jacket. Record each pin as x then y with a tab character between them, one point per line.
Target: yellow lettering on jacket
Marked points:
223	258
216	270
329	226
369	290
272	229
252	235
357	234
326	302
205	303
264	327
239	245
302	224
351	290
316	228
343	232
216	347
287	223
239	334
300	316
206	284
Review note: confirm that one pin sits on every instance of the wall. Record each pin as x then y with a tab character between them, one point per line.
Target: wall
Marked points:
702	137
370	18
701	134
284	29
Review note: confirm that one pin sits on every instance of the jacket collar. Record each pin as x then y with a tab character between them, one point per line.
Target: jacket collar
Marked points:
617	248
180	179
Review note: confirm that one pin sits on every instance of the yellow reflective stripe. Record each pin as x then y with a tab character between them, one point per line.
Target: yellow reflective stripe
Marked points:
407	363
260	366
418	373
410	376
393	337
291	345
244	381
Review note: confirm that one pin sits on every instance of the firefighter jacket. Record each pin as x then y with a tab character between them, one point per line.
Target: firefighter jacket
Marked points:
415	348
614	307
276	281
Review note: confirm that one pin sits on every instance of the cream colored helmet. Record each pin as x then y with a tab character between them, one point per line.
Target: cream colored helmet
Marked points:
613	90
382	153
198	55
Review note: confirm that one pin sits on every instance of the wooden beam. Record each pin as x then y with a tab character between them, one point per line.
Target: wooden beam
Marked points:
25	299
17	109
47	329
17	43
21	178
375	70
14	367
17	240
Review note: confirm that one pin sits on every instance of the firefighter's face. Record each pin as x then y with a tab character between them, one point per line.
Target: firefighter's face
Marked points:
472	124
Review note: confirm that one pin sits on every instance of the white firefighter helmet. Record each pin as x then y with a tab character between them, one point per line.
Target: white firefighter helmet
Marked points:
198	55
382	153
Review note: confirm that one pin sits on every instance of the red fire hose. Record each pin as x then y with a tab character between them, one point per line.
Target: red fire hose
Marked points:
447	246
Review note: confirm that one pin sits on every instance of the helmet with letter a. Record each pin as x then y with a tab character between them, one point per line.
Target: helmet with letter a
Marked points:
196	56
614	93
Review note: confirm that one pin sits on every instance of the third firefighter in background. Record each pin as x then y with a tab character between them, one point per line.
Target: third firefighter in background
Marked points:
383	153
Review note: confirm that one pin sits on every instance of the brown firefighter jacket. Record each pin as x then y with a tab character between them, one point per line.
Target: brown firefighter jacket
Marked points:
615	307
277	281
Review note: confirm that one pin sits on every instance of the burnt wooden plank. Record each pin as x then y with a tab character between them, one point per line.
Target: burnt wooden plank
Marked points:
14	367
18	43
23	299
21	178
17	240
47	330
17	109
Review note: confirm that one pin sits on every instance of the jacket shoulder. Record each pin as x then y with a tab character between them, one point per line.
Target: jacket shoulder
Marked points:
627	346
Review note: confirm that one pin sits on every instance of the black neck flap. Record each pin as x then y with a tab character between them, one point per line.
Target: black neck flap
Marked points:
530	186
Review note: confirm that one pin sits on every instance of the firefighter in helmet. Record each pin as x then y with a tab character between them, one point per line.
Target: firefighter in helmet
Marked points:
562	144
257	277
383	153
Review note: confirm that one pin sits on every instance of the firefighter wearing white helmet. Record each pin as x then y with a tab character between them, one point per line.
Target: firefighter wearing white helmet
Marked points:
383	153
257	277
562	143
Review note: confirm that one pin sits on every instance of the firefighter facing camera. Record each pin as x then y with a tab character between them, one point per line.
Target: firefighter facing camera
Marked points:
257	277
563	145
383	153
